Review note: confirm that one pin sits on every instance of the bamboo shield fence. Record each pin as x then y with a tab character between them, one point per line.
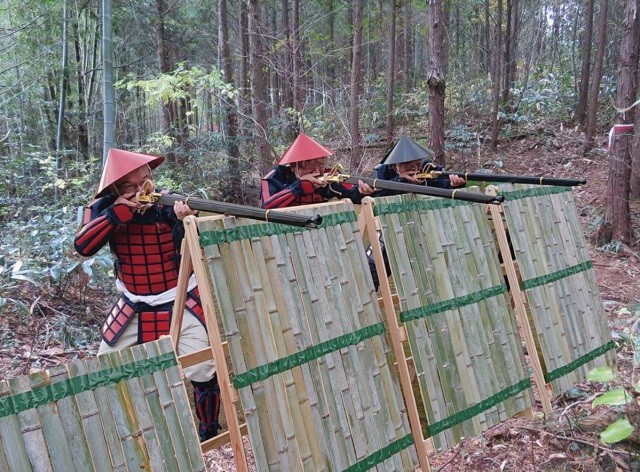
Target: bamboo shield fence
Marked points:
454	305
558	288
125	411
321	377
306	340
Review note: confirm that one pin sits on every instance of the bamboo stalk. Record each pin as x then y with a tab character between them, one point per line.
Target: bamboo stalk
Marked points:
146	434
394	328
360	367
127	422
155	392
16	456
391	410
31	428
227	394
299	404
68	414
526	324
106	418
226	284
172	393
311	311
272	342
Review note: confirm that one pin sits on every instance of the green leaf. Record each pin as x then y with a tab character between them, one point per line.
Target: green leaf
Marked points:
617	396
602	373
617	431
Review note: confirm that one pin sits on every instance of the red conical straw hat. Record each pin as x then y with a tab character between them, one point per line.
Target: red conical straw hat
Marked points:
120	163
303	149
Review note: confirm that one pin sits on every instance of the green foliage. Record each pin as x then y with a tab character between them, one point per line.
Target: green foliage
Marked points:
602	373
617	431
179	84
618	396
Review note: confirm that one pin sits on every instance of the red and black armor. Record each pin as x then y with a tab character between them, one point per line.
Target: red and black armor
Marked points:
145	248
153	321
282	188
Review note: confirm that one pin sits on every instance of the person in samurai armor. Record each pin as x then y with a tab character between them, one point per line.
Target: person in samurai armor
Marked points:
297	178
145	242
405	159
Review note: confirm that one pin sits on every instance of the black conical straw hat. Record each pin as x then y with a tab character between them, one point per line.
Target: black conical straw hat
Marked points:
405	150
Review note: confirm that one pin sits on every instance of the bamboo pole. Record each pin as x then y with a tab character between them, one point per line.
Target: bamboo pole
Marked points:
394	330
519	298
192	248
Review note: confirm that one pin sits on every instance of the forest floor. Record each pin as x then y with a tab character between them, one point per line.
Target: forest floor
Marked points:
566	441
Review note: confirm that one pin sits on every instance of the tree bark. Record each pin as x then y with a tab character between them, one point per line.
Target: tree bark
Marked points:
162	51
585	69
287	60
617	218
391	73
356	85
298	79
109	94
436	78
496	69
406	46
245	66
635	144
231	118
258	90
596	77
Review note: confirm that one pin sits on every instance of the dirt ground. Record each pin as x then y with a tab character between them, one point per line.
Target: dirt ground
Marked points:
567	441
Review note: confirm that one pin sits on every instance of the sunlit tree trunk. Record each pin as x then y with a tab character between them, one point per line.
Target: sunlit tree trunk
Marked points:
109	93
436	78
596	77
617	219
20	113
585	68
82	139
356	84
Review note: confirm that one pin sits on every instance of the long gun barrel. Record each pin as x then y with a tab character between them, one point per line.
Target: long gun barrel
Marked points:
454	194
511	178
232	209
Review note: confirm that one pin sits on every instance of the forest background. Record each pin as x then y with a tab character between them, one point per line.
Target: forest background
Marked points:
222	88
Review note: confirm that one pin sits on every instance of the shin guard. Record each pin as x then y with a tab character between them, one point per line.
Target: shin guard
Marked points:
207	402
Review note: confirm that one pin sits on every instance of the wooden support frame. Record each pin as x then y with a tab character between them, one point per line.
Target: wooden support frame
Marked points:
193	259
397	335
519	302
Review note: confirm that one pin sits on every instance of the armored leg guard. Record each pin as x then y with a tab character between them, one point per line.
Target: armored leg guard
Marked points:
207	402
372	263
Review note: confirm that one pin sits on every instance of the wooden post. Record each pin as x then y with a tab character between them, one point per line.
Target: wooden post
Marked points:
396	336
519	301
192	256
